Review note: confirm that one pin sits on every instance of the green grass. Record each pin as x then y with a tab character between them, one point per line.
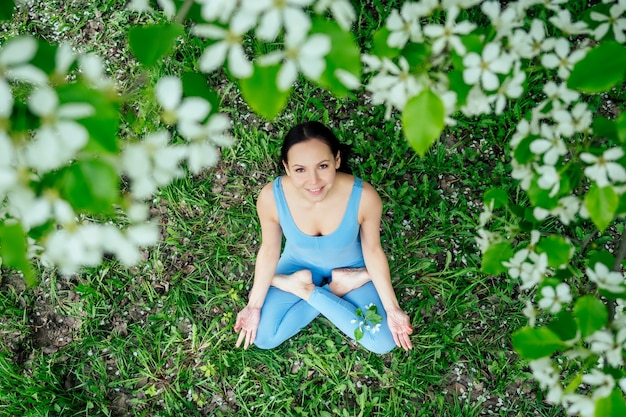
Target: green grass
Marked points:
157	340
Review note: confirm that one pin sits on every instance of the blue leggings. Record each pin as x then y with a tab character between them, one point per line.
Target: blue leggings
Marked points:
285	314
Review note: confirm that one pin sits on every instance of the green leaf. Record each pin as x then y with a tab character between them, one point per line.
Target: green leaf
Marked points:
150	43
620	126
557	249
417	54
499	197
604	127
261	92
358	334
380	47
591	314
536	342
612	406
13	250
196	85
494	256
91	185
602	204
564	325
540	197
601	69
344	55
455	77
103	124
7	7
423	120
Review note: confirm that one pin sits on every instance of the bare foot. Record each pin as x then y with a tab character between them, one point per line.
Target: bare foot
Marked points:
345	280
299	283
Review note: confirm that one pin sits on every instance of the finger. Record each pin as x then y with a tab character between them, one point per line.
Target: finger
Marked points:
407	342
395	338
242	334
253	336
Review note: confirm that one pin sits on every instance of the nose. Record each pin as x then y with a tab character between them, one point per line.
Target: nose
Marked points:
313	176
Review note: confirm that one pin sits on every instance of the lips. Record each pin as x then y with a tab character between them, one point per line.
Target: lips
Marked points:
315	191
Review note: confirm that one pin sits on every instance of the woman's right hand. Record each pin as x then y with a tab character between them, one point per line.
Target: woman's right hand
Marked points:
247	324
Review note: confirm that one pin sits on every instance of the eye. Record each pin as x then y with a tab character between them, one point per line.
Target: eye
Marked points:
323	166
299	170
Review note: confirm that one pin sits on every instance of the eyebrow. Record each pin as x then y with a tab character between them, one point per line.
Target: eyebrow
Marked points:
321	162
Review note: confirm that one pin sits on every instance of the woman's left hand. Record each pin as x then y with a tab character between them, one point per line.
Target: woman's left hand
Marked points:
400	327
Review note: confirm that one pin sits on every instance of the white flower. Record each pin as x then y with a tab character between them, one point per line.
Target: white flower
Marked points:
604	382
342	11
220	10
229	44
184	112
532	273
152	163
8	176
531	313
549	179
558	94
544	372
615	20
484	239
394	85
477	102
484	67
463	4
274	15
522	172
511	87
550	145
6	102
566	210
63	59
503	21
578	120
622	385
580	405
404	26
605	343
446	36
36	210
604	170
300	54
92	68
515	263
14	57
553	298
607	280
60	136
563	21
486	214
561	58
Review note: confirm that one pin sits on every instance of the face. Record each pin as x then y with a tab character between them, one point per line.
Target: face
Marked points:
312	168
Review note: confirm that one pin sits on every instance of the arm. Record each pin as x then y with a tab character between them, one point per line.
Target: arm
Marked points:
265	267
370	212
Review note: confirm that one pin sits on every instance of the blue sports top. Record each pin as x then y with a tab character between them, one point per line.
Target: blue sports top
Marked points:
320	254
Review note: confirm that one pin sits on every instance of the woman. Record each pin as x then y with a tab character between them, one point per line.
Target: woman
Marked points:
332	263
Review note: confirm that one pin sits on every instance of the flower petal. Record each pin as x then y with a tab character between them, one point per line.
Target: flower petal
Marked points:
168	92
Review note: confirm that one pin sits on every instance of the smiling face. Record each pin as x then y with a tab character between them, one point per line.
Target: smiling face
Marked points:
311	167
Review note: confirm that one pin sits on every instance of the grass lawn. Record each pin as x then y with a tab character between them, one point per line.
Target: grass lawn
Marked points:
157	339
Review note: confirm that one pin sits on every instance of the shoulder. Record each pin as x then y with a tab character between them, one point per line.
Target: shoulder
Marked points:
371	205
265	203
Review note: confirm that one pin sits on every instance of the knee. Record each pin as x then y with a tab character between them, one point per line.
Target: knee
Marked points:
379	345
266	342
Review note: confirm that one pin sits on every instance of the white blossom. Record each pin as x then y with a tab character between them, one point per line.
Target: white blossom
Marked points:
220	10
531	313
622	385
603	169
187	113
229	44
8	176
550	145
274	15
92	69
485	238
394	85
404	26
342	11
14	57
504	21
579	405
544	372
35	210
532	273
561	58
446	35
604	383
606	279
152	163
300	54
553	298
615	21
477	102
523	173
563	21
577	120
515	263
609	345
484	67
549	178
566	210
60	136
